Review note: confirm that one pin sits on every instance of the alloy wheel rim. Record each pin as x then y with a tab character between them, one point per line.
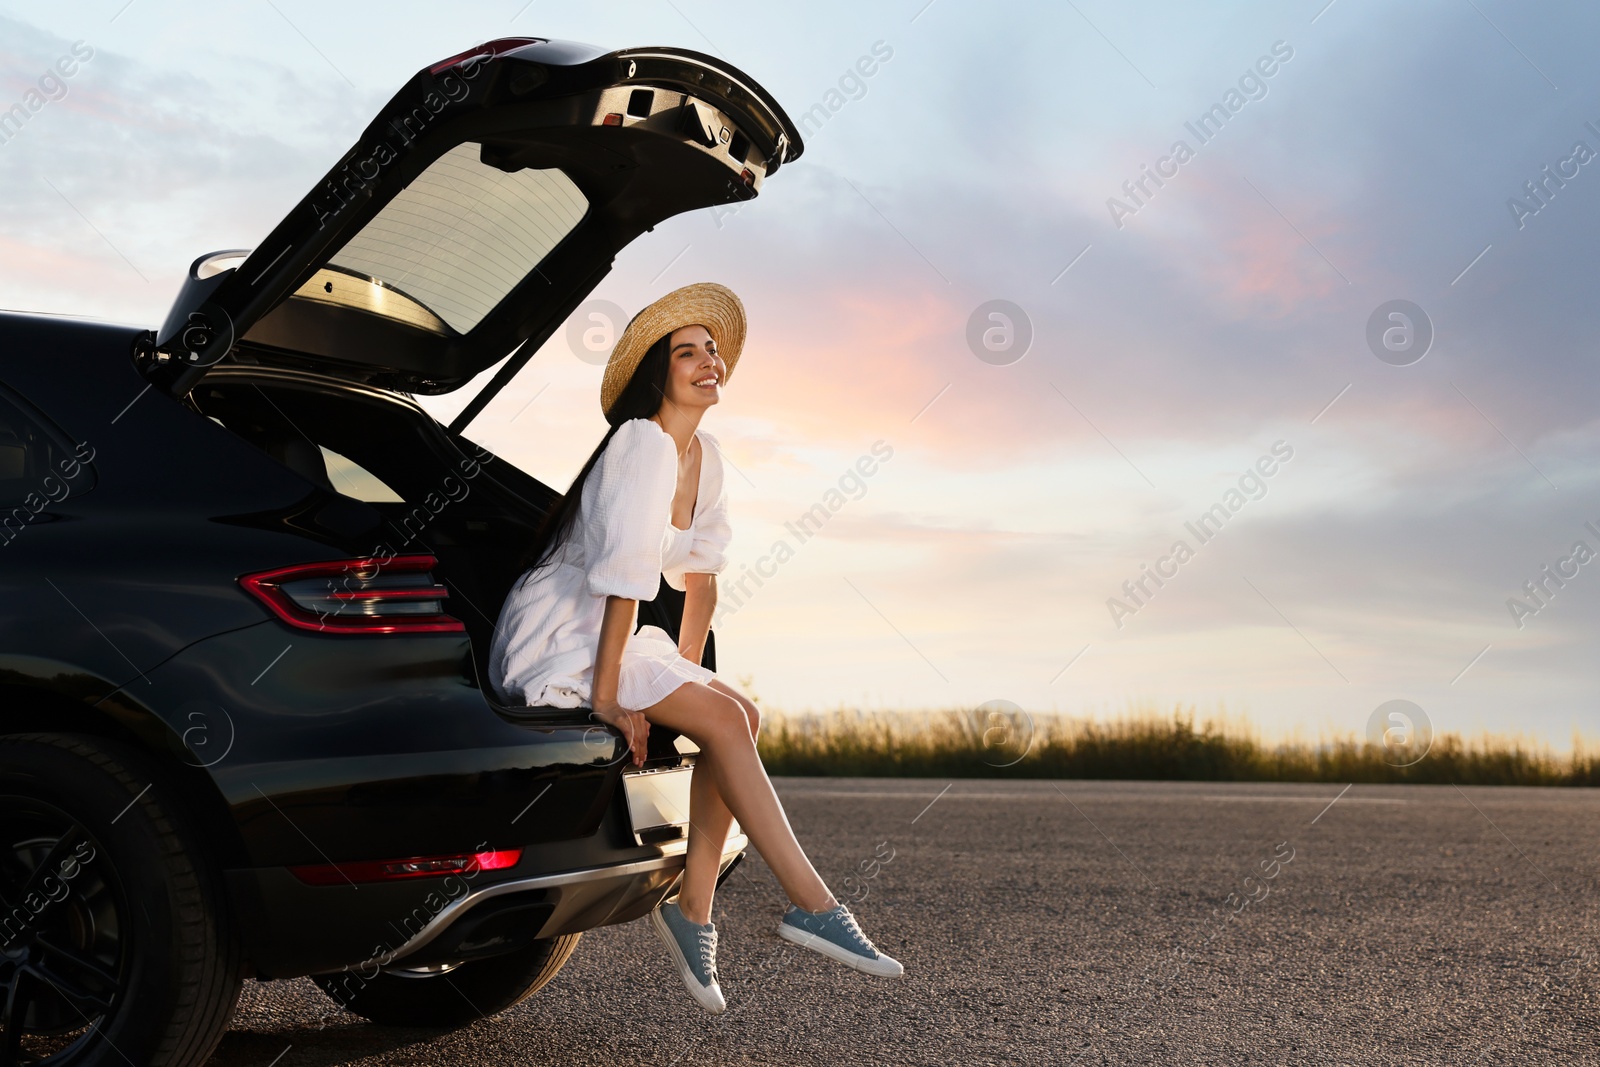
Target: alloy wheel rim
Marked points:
63	933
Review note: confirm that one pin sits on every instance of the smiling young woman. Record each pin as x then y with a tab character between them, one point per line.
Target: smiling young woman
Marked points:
650	502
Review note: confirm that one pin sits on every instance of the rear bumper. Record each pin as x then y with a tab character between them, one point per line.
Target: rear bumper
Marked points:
504	917
292	929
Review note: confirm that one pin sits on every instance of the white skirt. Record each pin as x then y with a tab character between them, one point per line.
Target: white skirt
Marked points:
545	645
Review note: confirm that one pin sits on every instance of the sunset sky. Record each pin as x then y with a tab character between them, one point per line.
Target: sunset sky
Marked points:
1182	330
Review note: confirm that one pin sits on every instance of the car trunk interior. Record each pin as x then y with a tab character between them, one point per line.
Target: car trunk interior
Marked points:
436	492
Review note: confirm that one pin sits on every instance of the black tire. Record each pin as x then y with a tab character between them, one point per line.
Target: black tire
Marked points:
115	944
455	998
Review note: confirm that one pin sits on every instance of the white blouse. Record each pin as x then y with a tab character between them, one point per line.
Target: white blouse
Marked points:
621	544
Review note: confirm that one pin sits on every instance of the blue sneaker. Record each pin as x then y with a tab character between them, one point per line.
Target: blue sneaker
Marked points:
693	947
835	934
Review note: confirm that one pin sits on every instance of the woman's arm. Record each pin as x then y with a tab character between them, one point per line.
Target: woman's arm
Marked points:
615	626
700	603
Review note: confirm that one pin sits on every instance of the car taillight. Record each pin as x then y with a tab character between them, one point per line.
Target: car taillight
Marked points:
414	867
363	596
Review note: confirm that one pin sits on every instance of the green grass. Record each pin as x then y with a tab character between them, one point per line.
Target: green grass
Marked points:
1144	745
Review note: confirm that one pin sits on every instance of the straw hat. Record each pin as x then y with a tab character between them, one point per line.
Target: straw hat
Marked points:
701	304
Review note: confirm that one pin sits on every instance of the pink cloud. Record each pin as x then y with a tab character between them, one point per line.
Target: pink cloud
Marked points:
1269	269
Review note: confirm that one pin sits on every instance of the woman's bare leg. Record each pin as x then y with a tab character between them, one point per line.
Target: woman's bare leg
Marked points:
709	823
715	720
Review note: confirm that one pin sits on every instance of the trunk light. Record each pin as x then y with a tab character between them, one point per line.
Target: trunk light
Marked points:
364	596
414	867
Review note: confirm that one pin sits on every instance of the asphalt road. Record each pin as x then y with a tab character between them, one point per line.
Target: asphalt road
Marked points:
1090	923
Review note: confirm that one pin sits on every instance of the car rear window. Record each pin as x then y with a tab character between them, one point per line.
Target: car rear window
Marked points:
464	234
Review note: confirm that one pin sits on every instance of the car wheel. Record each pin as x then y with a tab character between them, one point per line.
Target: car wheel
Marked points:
450	997
114	944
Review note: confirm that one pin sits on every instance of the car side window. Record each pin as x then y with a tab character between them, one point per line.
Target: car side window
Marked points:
352	479
39	465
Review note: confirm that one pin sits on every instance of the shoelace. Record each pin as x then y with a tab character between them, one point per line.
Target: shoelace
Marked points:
853	929
706	937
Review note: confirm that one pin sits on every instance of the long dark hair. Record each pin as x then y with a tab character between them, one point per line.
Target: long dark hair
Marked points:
640	398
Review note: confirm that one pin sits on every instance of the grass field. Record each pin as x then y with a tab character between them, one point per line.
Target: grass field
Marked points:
1142	745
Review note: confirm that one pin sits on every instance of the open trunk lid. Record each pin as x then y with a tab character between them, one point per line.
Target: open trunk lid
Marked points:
479	208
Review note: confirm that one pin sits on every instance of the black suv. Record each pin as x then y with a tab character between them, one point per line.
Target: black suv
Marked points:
250	585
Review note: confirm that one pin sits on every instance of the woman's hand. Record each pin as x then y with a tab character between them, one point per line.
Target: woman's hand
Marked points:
634	726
